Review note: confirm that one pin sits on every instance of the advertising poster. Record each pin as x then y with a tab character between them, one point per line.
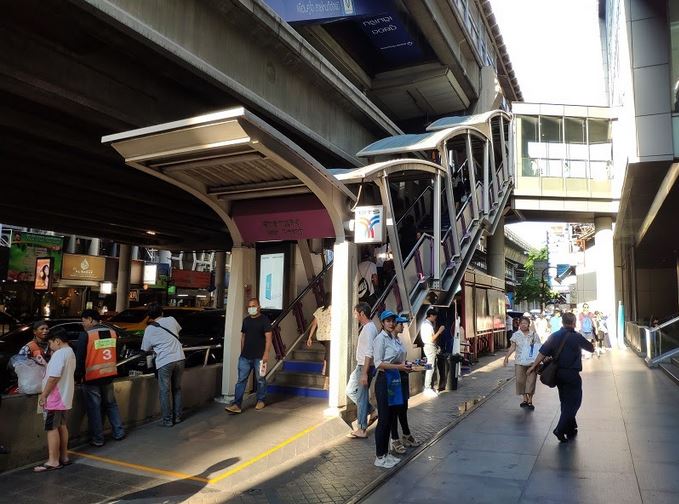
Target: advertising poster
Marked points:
84	267
26	249
43	274
271	275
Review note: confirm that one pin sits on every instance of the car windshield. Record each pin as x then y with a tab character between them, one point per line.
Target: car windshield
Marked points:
129	316
180	315
203	323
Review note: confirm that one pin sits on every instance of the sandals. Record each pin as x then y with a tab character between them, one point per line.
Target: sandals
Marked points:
46	468
65	463
353	435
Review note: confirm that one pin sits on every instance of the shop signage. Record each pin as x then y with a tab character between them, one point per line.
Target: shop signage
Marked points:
369	224
137	272
323	10
191	279
150	274
84	267
276	219
26	248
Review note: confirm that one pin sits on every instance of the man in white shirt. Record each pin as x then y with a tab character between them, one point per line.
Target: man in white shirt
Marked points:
429	335
367	279
162	337
358	387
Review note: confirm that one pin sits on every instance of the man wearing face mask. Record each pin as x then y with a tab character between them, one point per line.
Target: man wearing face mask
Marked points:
255	344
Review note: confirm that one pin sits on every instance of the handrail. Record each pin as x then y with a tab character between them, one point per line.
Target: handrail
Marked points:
301	295
411	254
383	296
428	188
664	324
186	349
292	348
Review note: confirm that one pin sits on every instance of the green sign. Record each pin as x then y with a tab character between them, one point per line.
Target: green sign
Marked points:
172	290
26	248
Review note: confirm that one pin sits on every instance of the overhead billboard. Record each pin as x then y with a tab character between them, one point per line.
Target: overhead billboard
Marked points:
26	248
84	267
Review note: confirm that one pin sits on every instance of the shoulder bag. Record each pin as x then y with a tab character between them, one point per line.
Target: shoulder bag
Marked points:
548	370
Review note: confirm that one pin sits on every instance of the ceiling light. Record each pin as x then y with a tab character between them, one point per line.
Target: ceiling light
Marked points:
152	233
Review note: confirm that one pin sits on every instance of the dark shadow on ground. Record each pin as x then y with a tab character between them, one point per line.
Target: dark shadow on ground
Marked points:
176	491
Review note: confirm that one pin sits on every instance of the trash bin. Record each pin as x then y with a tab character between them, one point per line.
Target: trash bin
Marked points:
452	369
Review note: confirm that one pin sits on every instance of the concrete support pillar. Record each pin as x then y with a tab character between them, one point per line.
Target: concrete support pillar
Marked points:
344	330
135	253
114	250
605	274
165	256
220	267
241	287
70	246
496	251
94	247
123	284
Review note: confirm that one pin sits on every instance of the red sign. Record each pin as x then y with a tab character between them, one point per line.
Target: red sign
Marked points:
275	219
191	279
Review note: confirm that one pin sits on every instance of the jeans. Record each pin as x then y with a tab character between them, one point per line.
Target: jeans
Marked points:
387	416
430	354
359	395
244	368
100	398
402	411
170	386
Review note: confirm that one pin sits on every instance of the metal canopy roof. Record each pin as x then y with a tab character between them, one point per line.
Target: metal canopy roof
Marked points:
226	156
376	170
438	132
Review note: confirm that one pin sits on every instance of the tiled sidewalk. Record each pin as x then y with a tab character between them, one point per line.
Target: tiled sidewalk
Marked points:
337	470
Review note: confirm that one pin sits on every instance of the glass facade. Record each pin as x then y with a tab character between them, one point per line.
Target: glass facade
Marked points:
564	156
674	34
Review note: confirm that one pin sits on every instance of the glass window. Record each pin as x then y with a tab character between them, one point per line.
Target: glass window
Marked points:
529	132
551	129
674	35
575	130
599	131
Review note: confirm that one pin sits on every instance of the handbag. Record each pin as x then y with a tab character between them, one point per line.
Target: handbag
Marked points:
394	388
548	370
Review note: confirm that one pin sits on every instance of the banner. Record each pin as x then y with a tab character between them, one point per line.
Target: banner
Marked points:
84	267
26	248
369	224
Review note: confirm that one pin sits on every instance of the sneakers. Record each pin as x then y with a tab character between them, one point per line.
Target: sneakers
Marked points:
394	460
397	446
260	405
430	393
233	408
385	462
410	441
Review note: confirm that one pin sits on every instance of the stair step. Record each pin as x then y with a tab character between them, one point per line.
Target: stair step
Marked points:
304	354
289	379
671	369
303	366
297	391
675	361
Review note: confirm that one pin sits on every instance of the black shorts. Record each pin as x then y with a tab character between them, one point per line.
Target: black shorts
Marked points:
54	419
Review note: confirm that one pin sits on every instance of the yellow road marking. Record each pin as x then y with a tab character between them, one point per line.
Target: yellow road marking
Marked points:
247	463
140	467
180	475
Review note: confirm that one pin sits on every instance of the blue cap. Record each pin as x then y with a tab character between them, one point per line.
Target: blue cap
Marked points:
387	314
401	319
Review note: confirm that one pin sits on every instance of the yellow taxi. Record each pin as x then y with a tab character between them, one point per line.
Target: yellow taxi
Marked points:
135	320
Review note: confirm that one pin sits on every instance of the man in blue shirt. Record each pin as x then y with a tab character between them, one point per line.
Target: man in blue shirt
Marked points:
568	379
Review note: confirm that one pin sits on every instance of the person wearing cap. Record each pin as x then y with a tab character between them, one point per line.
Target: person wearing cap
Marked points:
388	354
399	445
429	335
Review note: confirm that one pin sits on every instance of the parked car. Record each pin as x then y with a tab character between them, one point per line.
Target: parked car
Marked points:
7	322
203	329
11	343
135	320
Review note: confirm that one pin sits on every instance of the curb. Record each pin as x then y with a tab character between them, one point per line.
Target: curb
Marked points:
469	407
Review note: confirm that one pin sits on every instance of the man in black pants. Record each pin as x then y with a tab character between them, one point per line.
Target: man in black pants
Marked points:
568	379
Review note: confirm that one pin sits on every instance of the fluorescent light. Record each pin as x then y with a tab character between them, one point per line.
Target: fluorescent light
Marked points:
152	233
182	295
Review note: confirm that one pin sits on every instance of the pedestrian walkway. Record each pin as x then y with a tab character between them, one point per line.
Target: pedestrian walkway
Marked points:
286	453
627	449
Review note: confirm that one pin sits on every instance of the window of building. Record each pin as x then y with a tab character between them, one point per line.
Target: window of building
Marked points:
674	36
551	129
576	131
599	131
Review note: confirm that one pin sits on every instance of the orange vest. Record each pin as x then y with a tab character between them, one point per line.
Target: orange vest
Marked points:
101	357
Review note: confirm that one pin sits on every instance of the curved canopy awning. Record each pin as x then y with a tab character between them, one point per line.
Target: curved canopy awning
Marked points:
377	170
479	121
228	156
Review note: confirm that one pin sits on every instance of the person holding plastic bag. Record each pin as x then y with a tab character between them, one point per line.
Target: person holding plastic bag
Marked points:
389	357
29	364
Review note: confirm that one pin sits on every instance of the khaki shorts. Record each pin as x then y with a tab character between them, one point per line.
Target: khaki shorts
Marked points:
525	383
54	419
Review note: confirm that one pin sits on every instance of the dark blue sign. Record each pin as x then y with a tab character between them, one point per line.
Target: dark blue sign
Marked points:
388	34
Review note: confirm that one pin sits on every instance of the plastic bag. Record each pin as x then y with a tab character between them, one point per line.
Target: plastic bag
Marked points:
29	374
